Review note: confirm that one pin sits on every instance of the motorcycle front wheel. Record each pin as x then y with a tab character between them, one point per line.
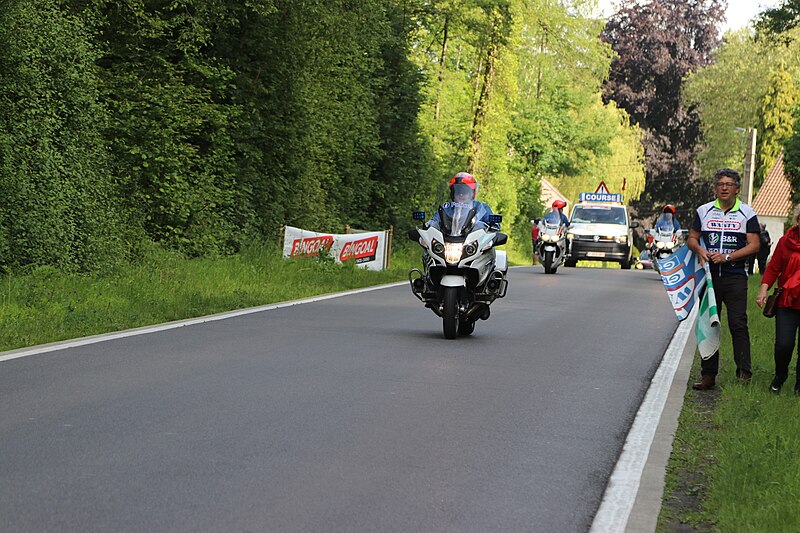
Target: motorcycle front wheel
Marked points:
548	263
450	313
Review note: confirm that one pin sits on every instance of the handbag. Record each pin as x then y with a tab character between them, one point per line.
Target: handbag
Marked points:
772	302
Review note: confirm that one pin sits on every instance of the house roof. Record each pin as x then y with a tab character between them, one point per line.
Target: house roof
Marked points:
774	198
550	194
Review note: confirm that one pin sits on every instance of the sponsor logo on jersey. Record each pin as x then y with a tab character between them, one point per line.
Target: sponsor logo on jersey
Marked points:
724	225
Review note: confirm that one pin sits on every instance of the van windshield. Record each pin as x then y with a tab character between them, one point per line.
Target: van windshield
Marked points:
598	214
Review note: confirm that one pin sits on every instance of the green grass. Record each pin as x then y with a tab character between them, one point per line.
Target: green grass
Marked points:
735	464
45	305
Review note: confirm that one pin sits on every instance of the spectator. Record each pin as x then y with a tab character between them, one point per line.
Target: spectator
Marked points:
763	251
785	268
729	231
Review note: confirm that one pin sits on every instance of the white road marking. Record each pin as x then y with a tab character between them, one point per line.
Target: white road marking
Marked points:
623	486
63	345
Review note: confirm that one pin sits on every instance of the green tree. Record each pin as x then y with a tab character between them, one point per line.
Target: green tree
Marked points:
56	196
776	120
171	121
659	43
730	95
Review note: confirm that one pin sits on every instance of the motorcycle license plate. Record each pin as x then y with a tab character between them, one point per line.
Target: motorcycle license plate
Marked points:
595	254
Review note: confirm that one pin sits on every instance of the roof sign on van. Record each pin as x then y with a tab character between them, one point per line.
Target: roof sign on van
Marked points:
599	197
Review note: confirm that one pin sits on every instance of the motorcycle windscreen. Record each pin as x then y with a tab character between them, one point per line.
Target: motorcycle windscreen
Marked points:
552	221
456	219
664	224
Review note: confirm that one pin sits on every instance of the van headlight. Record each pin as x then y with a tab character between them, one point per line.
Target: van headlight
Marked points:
621	239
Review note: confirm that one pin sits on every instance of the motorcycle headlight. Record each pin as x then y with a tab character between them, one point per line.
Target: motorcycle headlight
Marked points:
470	249
452	251
437	247
659	245
545	237
570	235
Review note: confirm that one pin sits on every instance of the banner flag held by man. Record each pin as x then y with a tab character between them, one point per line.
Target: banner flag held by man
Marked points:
684	279
682	275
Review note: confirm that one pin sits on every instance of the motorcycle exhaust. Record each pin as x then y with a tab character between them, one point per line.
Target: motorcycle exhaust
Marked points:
477	310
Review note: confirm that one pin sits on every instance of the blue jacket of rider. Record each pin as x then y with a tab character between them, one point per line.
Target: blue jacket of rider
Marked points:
668	221
482	212
557	214
463	189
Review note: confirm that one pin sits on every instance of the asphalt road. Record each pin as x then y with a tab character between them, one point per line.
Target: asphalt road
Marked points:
350	414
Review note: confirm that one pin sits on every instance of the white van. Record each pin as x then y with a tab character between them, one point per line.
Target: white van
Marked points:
600	231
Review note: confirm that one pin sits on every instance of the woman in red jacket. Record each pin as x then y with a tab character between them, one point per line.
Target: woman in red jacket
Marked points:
785	267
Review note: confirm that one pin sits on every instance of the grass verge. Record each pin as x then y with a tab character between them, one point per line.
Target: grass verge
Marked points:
45	305
735	464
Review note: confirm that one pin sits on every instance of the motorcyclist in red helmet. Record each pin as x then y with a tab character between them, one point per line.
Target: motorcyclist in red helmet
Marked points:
667	219
463	190
559	205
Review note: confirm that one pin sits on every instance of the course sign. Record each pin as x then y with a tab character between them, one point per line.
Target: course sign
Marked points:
368	249
600	197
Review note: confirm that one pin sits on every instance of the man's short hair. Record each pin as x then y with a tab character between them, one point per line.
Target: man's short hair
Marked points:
727	173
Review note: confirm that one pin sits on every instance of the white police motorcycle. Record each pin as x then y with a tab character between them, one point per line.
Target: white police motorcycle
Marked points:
551	245
462	272
666	240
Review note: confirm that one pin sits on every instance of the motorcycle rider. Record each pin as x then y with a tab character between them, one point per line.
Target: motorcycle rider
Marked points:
463	190
667	219
558	207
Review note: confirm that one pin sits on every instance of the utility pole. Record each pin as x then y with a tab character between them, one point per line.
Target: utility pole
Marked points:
749	167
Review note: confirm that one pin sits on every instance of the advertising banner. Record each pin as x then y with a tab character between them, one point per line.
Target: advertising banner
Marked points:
367	249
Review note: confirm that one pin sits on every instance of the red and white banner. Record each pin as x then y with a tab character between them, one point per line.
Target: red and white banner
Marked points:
368	249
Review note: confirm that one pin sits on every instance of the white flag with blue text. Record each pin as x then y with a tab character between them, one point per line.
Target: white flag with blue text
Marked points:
707	328
683	277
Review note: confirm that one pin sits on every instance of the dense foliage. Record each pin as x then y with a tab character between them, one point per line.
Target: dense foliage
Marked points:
659	42
751	84
205	125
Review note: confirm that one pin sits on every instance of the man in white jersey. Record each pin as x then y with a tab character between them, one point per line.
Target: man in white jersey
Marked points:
730	233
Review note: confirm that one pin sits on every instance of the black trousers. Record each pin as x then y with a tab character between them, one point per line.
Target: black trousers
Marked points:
787	323
732	291
762	263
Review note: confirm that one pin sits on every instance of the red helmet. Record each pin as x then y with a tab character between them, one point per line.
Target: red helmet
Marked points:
466	179
669	208
463	183
560	204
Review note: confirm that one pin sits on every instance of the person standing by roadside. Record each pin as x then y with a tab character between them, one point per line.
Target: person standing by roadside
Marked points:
729	231
785	267
763	252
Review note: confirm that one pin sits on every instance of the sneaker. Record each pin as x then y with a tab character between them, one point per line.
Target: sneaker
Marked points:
705	383
775	386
